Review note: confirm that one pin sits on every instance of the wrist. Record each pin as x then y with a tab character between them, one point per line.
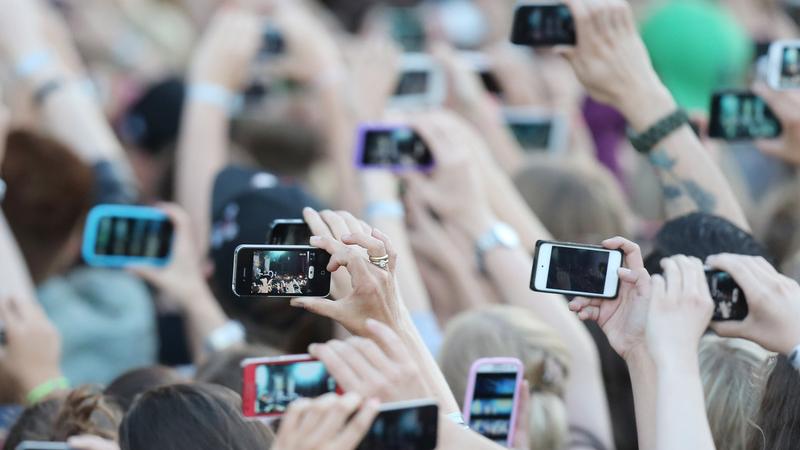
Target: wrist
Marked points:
644	106
675	360
476	223
40	385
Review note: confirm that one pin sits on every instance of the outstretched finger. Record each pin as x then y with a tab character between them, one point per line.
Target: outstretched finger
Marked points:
632	251
319	306
375	247
358	426
315	223
387	245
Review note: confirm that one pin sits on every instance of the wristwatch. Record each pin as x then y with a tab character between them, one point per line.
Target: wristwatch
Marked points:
794	358
500	235
226	336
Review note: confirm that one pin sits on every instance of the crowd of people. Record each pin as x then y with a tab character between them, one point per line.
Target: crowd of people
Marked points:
179	104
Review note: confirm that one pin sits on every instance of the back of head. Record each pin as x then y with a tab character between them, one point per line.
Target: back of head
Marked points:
505	331
700	235
576	201
190	417
224	368
778	223
731	370
778	418
49	193
125	388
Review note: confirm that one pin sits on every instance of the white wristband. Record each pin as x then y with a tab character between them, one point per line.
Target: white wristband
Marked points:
31	63
216	95
392	209
794	358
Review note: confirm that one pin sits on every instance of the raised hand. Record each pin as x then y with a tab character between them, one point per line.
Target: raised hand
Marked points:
785	105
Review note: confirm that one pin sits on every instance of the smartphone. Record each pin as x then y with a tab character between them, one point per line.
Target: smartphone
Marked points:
576	269
543	24
784	64
38	445
395	147
403	426
125	235
272	43
741	115
492	398
270	384
729	300
421	83
537	130
281	271
480	64
289	232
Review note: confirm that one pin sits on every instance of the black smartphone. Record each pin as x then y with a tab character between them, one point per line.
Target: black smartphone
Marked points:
741	115
272	43
289	232
280	271
729	300
403	426
543	24
394	147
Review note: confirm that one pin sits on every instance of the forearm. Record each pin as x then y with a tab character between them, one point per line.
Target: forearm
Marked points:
681	420
643	371
14	276
691	180
455	437
488	119
203	315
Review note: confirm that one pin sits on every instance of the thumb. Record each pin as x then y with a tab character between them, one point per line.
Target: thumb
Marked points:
320	306
521	427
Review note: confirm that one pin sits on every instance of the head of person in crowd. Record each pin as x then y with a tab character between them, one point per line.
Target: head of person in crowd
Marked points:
49	194
700	235
513	332
732	371
245	202
225	368
82	411
149	130
190	416
777	223
576	201
126	387
778	418
712	50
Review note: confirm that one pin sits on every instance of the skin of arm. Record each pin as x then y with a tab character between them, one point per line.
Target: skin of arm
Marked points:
14	277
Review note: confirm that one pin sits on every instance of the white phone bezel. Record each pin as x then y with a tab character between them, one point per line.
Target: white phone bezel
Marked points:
776	62
436	92
558	130
542	270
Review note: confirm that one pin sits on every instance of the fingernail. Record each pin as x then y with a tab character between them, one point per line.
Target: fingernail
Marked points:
312	347
624	271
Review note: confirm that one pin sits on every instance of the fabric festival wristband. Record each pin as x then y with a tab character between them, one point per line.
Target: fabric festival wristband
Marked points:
216	95
41	392
385	209
644	142
794	358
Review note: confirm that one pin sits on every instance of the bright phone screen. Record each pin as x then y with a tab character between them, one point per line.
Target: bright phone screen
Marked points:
395	147
283	272
277	385
403	429
575	269
790	67
492	404
122	236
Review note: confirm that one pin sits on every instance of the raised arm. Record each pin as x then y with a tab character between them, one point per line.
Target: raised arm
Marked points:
611	61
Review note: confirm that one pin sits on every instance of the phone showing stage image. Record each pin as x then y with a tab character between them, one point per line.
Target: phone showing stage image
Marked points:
281	271
576	269
125	235
269	385
492	398
394	147
784	64
404	426
538	24
741	116
289	232
729	300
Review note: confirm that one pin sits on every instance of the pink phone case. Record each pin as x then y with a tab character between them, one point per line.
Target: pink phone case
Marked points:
473	372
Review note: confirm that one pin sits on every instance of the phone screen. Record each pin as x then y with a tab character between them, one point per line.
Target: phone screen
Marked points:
413	83
532	135
403	428
491	83
125	236
272	43
283	272
543	25
397	147
271	387
742	116
729	300
493	404
790	67
289	233
576	269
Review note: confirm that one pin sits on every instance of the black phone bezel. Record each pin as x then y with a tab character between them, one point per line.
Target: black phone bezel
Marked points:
244	253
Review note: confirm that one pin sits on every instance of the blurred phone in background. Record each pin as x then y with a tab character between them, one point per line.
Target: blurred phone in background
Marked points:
289	232
784	65
125	235
492	398
538	24
421	83
395	147
407	28
741	115
536	130
403	426
272	43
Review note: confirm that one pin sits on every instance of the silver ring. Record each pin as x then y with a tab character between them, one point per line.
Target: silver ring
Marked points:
380	261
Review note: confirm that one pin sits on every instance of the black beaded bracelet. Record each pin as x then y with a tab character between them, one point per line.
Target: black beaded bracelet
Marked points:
644	142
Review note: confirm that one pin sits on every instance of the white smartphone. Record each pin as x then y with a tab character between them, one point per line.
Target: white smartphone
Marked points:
784	65
421	83
537	129
576	269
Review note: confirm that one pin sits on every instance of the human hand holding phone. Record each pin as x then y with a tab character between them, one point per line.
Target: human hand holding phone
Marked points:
624	319
773	300
786	106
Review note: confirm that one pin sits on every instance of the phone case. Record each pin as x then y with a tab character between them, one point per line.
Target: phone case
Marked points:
473	373
277	222
262	246
775	62
536	258
363	129
437	89
127	211
248	379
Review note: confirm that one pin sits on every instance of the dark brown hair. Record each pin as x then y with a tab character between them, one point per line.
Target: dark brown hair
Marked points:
49	193
124	389
778	418
190	417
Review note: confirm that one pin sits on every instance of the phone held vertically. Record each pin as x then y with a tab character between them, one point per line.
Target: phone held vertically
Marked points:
491	401
729	299
392	146
269	385
280	271
741	115
404	425
784	65
539	24
576	269
289	232
125	235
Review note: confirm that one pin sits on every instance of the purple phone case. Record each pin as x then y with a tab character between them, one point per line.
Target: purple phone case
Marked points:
363	129
473	374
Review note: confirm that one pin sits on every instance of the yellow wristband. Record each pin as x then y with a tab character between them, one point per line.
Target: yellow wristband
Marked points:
41	392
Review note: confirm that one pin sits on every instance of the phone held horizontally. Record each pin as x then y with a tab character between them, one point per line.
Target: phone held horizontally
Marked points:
280	271
576	269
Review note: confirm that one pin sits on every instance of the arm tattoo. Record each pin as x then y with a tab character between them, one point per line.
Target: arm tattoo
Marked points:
674	187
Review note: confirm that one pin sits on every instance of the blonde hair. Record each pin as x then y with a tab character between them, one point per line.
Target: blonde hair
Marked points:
732	371
506	331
